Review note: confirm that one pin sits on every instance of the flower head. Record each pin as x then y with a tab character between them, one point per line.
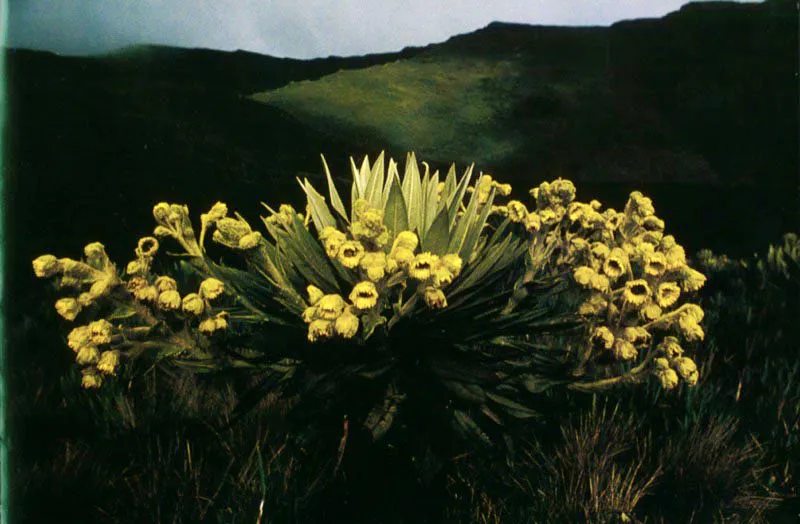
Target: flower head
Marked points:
164	283
516	211
169	300
211	288
636	292
583	276
690	328
624	350
333	242
407	240
667	378
108	363
650	312
670	347
434	297
68	308
687	370
79	337
46	266
655	264
615	263
330	307
364	295
692	280
638	336
667	294
532	222
100	331
207	326
603	337
319	330
374	263
193	304
250	241
91	379
87	355
421	268
346	325
350	253
314	294
594	306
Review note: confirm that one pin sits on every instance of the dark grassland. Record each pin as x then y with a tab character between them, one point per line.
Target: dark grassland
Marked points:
698	110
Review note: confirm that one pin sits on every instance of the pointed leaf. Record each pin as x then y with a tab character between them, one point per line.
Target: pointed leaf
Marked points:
336	201
438	237
476	228
375	182
454	201
320	213
514	409
396	215
468	429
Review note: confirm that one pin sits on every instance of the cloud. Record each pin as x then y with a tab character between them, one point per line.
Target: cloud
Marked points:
299	29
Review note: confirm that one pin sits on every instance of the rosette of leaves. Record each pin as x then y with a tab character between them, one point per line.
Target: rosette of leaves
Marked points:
422	301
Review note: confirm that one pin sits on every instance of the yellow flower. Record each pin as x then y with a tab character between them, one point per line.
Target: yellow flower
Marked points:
146	294
333	243
218	211
439	189
330	307
563	190
670	347
503	189
655	264
87	355
453	263
211	288
165	283
676	257
364	295
161	212
690	329
286	213
583	275
169	300
207	326
613	219
314	294
161	231
667	294
193	304
576	210
221	320
550	216
434	298
652	237
326	232
694	311
603	337
668	378
91	379
350	253
68	308
319	329
421	268
391	265
533	222
359	206
594	306
346	325
100	331
599	283
600	250
624	350
109	361
483	188
373	219
230	231
639	205
692	280
653	223
650	312
406	240
79	337
636	292
660	364
667	242
595	205
516	211
46	266
250	241
403	256
638	336
687	370
615	264
309	314
96	254
147	247
374	263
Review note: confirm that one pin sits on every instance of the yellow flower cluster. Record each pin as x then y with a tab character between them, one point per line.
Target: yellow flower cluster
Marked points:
672	365
631	274
368	227
329	315
92	345
92	279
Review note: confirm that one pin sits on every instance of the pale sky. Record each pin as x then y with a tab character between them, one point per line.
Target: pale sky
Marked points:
292	28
